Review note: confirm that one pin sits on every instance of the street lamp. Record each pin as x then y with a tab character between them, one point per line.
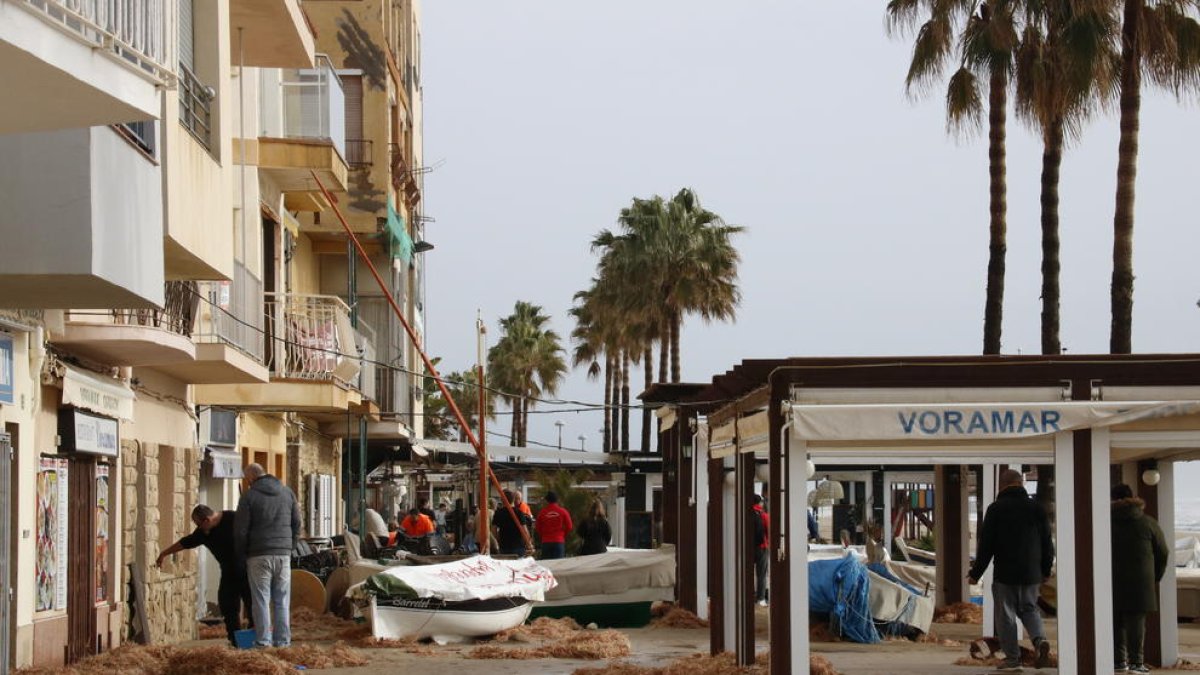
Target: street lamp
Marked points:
582	442
560	425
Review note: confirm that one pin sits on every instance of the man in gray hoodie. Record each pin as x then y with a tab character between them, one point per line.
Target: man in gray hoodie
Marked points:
266	531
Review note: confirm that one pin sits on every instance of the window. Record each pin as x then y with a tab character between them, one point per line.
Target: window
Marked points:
320	505
141	134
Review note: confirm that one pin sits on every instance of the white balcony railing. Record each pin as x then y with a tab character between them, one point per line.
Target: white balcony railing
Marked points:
232	313
309	337
304	103
141	34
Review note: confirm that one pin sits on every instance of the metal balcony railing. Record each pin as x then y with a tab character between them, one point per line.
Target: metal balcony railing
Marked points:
232	313
304	103
178	314
195	106
309	337
142	34
359	153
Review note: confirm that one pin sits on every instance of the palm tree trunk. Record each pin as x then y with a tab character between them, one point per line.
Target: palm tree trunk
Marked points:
624	400
1051	164
664	353
608	390
648	364
675	321
515	437
998	246
1121	335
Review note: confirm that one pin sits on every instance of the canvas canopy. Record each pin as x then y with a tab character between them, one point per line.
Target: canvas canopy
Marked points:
475	578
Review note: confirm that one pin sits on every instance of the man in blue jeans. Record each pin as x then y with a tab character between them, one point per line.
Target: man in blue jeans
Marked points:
266	531
1016	534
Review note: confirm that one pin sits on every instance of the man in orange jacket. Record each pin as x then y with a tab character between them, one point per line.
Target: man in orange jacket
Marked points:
553	525
417	524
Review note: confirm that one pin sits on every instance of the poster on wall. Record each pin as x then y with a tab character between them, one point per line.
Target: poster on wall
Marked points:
102	536
50	572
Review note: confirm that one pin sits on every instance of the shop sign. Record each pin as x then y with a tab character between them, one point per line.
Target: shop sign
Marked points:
84	432
106	396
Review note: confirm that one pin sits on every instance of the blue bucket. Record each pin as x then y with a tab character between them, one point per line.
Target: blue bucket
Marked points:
244	639
976	599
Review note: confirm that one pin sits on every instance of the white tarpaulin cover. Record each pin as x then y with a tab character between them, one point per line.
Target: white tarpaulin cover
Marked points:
753	432
104	395
720	443
971	421
475	578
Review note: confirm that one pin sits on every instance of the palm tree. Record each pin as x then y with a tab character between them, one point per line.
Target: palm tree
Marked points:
1159	39
526	363
676	258
1065	68
985	51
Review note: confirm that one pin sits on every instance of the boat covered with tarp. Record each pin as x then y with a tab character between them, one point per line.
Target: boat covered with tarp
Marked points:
861	602
612	589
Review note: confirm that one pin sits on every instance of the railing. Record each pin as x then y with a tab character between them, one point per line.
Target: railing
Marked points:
232	313
359	153
304	103
178	314
310	338
195	106
404	178
141	33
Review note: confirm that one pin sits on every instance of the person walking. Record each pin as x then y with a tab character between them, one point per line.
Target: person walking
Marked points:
761	543
508	532
214	530
594	530
1016	535
266	531
553	525
1139	560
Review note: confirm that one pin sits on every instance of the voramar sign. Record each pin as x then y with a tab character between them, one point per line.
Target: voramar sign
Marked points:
970	421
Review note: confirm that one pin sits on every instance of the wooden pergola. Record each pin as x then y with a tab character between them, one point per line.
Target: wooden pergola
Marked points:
1096	418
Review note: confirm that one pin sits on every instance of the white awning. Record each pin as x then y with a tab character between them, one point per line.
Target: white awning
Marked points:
519	454
666	416
968	422
225	463
103	395
720	444
753	432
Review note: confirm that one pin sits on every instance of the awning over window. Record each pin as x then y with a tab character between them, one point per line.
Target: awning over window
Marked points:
720	444
225	463
99	394
753	432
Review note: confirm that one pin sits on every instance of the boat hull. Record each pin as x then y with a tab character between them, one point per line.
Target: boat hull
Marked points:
394	619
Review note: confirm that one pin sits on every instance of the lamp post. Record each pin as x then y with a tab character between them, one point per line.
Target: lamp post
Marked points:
560	425
582	442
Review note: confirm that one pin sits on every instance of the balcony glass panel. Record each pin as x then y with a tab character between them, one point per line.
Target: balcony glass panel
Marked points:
232	314
305	104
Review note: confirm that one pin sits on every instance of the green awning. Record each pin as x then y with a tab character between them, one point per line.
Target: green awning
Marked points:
402	244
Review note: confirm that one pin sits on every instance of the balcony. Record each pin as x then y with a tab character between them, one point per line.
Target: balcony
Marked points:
83	214
275	34
136	337
82	63
228	334
312	354
302	129
404	177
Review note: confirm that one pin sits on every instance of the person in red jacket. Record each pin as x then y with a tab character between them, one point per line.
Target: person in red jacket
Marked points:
761	543
553	525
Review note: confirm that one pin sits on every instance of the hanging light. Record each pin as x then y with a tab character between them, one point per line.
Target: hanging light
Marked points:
1151	477
827	493
762	472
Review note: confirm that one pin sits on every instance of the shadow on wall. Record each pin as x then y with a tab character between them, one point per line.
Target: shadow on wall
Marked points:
361	52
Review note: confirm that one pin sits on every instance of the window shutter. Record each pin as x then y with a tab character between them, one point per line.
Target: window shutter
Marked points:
187	41
353	90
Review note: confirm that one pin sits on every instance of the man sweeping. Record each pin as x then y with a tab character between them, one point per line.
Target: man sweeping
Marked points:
214	530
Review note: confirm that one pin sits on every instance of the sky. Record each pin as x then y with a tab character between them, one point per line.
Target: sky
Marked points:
867	225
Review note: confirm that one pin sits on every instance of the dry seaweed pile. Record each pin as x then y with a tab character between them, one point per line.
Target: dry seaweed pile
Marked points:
821	632
704	664
1184	664
562	639
959	612
210	660
206	632
309	625
678	617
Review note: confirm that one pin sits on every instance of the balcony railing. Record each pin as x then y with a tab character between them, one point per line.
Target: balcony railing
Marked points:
195	106
141	33
304	103
310	338
359	153
178	314
232	313
404	177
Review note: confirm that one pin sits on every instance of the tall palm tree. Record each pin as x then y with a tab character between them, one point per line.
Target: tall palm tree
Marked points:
1159	39
1065	69
677	259
985	49
527	362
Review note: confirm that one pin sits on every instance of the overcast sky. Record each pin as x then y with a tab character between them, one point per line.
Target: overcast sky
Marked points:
867	225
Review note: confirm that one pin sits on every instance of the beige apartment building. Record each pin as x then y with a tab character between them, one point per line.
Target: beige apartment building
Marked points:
174	299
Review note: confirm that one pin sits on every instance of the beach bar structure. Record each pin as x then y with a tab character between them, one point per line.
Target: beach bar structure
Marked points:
1096	419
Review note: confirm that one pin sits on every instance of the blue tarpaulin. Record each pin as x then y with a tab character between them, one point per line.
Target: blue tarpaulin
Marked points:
839	589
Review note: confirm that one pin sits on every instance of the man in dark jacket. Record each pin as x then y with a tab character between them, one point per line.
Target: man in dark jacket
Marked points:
214	530
1139	560
266	531
510	534
1016	534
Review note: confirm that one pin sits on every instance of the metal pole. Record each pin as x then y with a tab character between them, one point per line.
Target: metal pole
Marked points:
484	468
362	472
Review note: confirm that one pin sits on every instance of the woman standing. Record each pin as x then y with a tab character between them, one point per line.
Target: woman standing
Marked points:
1139	557
594	530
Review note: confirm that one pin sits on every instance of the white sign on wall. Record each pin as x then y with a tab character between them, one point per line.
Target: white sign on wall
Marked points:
95	435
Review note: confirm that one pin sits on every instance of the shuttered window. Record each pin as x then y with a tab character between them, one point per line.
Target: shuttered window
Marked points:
187	41
353	90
